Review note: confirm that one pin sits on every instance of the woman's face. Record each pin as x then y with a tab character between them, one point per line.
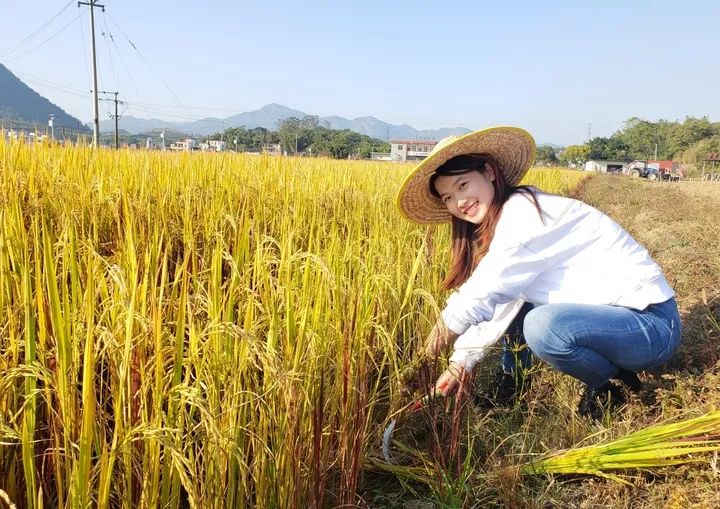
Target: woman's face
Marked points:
467	196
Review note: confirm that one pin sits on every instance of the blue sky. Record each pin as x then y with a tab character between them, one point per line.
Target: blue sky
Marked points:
552	67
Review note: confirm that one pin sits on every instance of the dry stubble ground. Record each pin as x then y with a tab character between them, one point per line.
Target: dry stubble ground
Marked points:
680	226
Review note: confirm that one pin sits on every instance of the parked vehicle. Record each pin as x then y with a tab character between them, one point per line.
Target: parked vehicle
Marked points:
672	176
669	170
644	169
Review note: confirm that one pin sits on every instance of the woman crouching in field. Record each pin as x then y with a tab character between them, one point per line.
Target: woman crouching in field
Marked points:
586	297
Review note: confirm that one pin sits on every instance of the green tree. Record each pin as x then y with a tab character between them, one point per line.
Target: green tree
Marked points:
310	136
683	136
546	154
640	137
608	148
697	156
574	155
296	134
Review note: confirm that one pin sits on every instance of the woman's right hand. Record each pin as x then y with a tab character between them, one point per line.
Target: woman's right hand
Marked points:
439	340
451	380
422	373
419	376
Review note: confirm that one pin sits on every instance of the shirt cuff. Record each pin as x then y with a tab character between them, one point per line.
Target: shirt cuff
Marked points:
468	359
454	324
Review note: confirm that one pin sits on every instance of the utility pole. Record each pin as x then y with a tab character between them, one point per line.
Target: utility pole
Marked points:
96	119
116	116
589	134
52	127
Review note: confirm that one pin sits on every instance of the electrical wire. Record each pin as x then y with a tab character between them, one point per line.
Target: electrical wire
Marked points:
106	34
21	43
157	111
149	64
85	57
122	61
52	85
46	40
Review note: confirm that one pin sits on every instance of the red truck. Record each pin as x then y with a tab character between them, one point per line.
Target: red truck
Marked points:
669	170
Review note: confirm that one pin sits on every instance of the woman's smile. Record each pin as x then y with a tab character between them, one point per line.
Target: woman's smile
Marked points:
471	209
469	195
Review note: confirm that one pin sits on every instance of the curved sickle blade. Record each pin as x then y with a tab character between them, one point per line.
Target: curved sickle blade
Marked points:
387	437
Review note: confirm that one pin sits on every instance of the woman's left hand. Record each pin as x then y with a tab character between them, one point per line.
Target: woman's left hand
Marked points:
450	381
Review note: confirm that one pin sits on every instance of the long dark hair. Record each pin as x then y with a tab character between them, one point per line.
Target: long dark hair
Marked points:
470	242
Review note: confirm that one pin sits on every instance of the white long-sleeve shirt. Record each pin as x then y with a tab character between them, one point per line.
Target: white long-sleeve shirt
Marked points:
573	254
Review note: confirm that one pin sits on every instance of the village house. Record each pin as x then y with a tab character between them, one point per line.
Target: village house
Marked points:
213	146
410	150
184	145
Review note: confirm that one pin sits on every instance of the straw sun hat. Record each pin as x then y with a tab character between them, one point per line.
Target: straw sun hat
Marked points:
513	149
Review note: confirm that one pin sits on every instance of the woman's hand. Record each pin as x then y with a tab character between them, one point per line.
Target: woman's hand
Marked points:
439	339
450	381
420	375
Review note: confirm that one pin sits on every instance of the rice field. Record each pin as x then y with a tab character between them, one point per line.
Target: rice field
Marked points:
204	330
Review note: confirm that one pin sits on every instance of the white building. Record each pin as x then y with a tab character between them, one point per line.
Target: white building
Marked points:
213	146
186	145
410	150
272	148
605	166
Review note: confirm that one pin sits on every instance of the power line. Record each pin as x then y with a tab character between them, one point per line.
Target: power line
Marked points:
156	111
148	64
50	84
106	34
21	43
122	61
85	58
46	40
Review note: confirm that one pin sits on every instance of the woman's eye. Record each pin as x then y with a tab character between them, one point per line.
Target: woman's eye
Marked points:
462	185
446	199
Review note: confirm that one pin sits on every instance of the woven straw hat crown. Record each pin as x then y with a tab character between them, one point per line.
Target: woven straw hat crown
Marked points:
511	147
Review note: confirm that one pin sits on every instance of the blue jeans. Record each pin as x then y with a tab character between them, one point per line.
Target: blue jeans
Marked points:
592	342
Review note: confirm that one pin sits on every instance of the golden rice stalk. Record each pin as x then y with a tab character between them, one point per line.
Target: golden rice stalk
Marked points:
660	445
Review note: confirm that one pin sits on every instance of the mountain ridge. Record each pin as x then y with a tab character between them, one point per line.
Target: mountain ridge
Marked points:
22	105
268	117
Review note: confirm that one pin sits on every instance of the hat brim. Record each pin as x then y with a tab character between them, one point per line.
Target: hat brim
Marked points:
513	149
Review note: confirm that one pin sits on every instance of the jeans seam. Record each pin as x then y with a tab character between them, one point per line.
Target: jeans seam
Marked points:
583	362
667	346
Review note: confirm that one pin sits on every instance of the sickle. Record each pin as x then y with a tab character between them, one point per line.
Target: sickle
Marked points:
413	407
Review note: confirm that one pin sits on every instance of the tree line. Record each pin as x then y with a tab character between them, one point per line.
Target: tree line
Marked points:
305	135
689	141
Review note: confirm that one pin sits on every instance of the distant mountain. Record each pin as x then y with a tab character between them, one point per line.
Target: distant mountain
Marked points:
21	105
269	116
